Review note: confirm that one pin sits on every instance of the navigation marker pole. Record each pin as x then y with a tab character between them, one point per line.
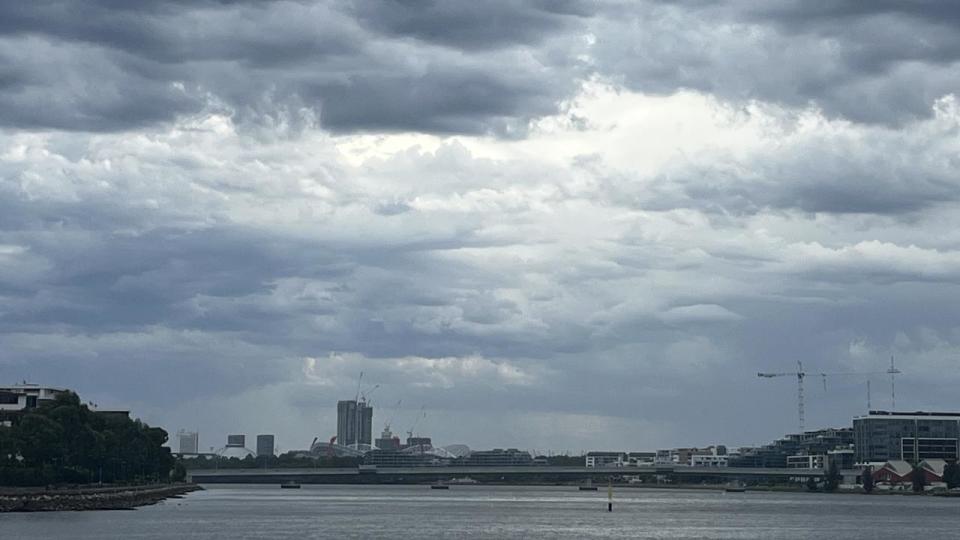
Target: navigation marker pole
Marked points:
610	495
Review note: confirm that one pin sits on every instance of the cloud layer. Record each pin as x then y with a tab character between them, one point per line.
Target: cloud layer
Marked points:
561	226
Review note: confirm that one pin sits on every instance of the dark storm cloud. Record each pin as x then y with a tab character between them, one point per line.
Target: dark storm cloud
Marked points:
470	67
101	67
472	25
887	176
439	100
803	11
875	62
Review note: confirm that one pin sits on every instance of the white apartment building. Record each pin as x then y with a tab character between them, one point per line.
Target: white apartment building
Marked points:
25	396
709	460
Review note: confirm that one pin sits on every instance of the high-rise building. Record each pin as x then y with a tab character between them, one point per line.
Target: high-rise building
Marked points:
265	445
236	441
354	417
189	442
424	442
388	441
913	437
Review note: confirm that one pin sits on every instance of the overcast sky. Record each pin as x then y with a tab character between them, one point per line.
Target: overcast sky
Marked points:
555	225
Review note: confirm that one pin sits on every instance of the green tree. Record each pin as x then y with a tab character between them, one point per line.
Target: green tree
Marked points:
918	478
867	479
179	473
832	480
951	474
40	440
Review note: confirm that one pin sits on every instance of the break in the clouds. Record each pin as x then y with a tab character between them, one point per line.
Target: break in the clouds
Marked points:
555	225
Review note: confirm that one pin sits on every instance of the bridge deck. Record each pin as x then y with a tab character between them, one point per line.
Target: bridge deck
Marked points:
353	474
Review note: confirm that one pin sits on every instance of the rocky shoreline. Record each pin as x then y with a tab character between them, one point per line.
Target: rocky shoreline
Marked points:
97	498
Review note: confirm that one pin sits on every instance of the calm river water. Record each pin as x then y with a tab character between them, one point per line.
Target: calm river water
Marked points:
502	513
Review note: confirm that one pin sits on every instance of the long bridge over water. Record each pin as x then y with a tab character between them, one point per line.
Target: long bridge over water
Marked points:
411	475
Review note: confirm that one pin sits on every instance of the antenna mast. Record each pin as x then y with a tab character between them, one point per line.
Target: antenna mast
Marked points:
893	371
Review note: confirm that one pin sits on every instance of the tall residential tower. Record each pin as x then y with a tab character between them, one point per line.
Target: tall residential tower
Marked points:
354	417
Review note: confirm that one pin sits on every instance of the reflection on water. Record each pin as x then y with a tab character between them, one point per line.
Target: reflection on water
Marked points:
501	512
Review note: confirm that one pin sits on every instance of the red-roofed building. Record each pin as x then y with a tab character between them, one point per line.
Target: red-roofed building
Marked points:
893	472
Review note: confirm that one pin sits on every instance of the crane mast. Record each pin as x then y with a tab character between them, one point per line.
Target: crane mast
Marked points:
800	375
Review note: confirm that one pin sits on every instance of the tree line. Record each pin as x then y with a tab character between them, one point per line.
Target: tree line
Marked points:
62	441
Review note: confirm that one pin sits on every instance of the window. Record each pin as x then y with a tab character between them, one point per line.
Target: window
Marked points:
928	448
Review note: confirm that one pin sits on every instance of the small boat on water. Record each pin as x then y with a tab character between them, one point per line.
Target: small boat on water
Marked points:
439	486
588	486
735	490
290	484
466	480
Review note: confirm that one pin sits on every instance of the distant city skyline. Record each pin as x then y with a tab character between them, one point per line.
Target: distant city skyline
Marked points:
559	226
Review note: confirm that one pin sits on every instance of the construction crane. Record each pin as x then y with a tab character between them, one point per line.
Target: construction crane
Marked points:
800	374
389	422
356	398
420	416
892	371
365	395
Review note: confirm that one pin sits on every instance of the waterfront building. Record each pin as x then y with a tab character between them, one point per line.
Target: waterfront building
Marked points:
641	459
327	449
665	457
809	443
710	456
893	472
425	442
236	440
906	436
933	470
605	459
387	441
844	457
497	457
457	450
20	398
400	458
265	445
709	460
236	448
189	442
354	422
814	461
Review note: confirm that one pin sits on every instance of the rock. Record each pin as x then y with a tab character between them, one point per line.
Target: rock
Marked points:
116	498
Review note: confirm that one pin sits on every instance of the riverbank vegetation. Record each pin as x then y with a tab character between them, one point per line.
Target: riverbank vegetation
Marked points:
65	442
289	460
